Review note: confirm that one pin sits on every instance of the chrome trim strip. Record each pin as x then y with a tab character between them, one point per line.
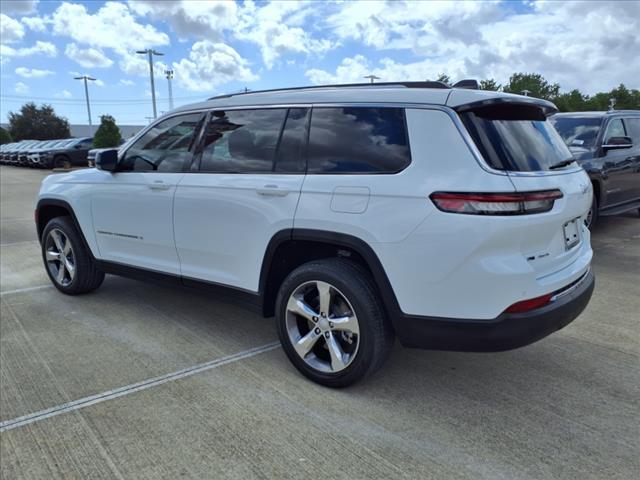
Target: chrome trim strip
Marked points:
572	287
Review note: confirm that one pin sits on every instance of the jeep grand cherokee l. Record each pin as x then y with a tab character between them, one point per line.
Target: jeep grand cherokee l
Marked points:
449	218
607	145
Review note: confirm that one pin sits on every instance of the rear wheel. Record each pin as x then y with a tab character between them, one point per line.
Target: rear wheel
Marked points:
67	260
331	323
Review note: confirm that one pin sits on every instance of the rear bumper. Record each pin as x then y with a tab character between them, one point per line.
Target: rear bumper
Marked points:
507	331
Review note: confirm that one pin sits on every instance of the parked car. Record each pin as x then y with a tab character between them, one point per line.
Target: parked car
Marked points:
13	157
450	218
607	146
33	152
72	152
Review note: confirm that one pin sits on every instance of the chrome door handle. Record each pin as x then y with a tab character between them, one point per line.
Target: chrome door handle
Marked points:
159	185
272	191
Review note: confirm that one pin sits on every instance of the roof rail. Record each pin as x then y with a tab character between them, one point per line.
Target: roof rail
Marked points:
427	84
467	83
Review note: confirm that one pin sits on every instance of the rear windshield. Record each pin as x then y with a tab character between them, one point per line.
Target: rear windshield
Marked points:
578	132
515	138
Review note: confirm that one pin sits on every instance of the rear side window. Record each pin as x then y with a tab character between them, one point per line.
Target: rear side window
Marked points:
358	140
242	141
515	138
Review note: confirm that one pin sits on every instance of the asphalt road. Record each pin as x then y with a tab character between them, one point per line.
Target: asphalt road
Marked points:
567	407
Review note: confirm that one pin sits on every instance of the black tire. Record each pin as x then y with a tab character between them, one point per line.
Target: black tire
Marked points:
375	336
86	276
592	218
61	161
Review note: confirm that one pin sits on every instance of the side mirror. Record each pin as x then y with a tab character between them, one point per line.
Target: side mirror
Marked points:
614	143
107	160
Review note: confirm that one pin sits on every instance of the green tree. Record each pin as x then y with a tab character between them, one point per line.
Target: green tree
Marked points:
108	134
574	101
490	84
5	137
444	78
534	83
33	123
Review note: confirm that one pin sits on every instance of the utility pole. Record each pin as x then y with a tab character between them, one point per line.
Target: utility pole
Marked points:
150	53
169	74
371	77
86	94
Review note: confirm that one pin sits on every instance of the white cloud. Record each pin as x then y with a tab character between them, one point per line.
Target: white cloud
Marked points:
21	7
21	88
10	30
126	83
40	48
32	72
88	57
63	94
211	64
37	24
99	83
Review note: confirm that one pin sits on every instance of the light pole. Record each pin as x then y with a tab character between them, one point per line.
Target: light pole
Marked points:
86	93
371	77
150	54
169	74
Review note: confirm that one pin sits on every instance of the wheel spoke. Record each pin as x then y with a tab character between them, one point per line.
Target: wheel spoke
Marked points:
57	239
347	322
52	256
306	343
300	307
60	275
324	296
67	247
71	268
335	351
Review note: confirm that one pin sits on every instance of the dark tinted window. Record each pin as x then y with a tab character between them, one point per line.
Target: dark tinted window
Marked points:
578	131
614	129
515	138
289	158
242	141
358	140
633	129
165	147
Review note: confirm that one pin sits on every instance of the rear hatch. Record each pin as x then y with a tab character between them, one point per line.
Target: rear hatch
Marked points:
514	138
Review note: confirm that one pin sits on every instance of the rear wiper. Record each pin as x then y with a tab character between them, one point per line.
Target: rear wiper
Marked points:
561	164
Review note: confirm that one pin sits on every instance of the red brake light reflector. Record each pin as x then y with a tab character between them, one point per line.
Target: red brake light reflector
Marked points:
518	203
531	304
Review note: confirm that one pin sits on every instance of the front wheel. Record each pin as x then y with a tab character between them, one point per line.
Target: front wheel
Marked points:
67	260
331	323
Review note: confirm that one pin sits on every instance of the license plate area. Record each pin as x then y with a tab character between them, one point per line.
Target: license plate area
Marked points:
571	233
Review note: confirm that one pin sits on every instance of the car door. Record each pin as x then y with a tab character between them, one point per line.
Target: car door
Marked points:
249	169
618	165
78	152
133	207
632	127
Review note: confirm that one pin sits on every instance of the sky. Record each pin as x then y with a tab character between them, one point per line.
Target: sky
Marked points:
217	47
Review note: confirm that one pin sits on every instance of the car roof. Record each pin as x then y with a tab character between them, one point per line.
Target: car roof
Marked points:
432	93
602	114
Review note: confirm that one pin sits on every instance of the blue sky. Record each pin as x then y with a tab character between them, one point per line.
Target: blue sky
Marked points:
218	47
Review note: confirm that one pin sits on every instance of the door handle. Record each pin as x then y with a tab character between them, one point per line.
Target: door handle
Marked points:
272	191
159	185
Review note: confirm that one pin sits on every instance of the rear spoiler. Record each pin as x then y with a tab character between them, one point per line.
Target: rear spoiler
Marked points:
545	106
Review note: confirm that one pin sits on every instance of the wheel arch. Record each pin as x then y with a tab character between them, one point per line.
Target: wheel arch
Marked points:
49	208
291	248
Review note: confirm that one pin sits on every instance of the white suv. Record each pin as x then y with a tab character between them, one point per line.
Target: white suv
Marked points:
451	218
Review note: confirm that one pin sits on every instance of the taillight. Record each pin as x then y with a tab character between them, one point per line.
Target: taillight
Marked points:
531	304
523	203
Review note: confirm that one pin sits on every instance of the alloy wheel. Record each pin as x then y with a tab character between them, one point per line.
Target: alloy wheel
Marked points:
322	326
60	257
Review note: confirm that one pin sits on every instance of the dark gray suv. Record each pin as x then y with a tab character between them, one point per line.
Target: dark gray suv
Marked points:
607	145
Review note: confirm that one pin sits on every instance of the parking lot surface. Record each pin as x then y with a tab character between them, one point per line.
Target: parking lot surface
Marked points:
566	407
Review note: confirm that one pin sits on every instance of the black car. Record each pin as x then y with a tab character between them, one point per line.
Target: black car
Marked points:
65	153
607	145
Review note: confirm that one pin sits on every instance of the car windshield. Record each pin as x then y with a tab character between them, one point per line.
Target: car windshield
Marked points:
516	138
578	131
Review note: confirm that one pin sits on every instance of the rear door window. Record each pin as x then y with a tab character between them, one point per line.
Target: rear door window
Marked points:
633	130
358	140
515	138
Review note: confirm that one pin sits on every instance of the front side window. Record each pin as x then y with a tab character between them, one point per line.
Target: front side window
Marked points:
633	129
358	140
242	141
166	147
614	129
581	132
515	138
